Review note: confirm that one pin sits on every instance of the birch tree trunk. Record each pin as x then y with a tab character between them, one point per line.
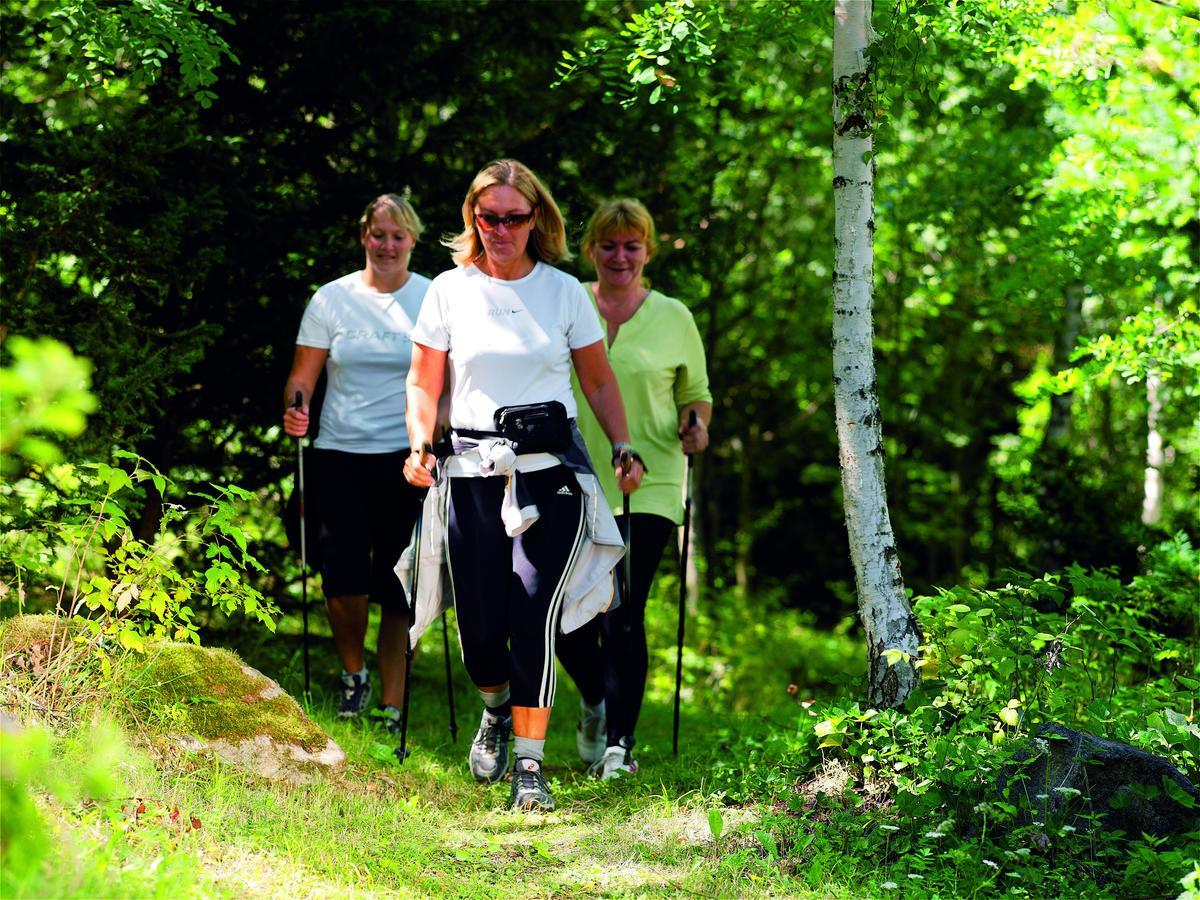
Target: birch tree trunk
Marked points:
1152	488
1152	485
883	608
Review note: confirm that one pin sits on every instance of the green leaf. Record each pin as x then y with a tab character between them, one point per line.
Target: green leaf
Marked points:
1178	794
768	843
895	656
716	823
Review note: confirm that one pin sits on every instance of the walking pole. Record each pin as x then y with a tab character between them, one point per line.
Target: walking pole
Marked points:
683	553
299	404
402	752
626	464
449	683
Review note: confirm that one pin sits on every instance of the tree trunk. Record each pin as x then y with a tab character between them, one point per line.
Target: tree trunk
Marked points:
885	612
1152	496
1058	427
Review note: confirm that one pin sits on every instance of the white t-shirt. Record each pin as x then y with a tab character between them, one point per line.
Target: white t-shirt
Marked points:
509	342
369	339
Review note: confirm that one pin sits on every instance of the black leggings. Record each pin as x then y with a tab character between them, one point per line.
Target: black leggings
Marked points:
365	512
508	592
607	658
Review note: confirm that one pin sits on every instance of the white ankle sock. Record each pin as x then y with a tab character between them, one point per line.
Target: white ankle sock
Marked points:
528	748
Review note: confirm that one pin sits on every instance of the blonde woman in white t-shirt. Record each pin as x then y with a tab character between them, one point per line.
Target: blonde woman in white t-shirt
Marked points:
358	330
509	327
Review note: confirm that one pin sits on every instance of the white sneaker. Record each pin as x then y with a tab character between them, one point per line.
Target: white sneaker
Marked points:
488	757
591	735
615	763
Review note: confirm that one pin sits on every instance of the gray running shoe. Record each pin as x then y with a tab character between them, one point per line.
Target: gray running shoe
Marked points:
356	694
591	735
529	791
489	750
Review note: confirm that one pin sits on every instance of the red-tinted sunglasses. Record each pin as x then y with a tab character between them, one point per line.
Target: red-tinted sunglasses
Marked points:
490	221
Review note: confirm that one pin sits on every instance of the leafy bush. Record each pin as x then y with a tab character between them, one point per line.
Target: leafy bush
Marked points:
44	392
70	831
741	656
69	535
1079	648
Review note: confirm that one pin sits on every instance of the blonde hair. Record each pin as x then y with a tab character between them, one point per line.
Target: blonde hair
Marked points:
396	208
616	217
547	243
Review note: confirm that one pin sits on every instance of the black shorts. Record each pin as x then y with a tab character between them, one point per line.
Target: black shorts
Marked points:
366	512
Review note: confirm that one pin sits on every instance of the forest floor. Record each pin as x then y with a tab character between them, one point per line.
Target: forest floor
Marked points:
425	828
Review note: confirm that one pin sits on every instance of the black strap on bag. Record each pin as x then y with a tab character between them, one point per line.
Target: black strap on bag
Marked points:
535	427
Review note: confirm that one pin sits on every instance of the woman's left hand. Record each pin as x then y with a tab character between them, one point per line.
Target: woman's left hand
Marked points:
693	438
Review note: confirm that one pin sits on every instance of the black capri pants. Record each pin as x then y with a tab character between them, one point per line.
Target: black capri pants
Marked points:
366	512
508	591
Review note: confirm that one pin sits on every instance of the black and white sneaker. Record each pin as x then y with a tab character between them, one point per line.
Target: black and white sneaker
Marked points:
489	751
529	791
389	718
356	694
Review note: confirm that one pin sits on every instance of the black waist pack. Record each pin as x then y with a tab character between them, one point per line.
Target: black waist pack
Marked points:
535	427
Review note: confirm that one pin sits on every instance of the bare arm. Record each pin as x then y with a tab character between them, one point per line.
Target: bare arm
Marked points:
426	380
306	369
599	385
694	438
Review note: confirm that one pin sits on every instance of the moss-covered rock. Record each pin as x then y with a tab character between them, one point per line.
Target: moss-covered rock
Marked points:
199	698
21	635
207	699
28	644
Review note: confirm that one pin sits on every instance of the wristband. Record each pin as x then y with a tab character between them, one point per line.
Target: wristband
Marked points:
622	447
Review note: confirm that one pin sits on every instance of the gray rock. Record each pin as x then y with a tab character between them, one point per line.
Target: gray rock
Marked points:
216	704
1065	776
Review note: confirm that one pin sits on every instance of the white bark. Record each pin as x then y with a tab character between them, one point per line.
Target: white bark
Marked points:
883	607
1152	497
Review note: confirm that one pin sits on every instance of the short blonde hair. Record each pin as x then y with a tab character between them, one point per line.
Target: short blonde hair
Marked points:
396	208
616	217
547	243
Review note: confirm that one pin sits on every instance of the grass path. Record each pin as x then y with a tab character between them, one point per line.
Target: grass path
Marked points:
189	826
427	829
193	827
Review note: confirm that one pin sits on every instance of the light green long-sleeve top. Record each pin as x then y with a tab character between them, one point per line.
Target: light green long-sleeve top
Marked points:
658	359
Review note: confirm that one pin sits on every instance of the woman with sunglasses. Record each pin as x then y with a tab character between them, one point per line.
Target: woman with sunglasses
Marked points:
356	329
530	545
656	352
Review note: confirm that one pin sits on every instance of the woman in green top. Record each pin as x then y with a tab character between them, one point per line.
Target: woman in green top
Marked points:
656	353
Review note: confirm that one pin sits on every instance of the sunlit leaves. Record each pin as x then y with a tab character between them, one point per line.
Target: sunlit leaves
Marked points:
133	41
44	393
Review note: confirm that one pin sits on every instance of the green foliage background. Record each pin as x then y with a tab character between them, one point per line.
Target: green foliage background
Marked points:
174	189
178	179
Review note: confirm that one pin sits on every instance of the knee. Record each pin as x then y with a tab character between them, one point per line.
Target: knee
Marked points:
395	617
